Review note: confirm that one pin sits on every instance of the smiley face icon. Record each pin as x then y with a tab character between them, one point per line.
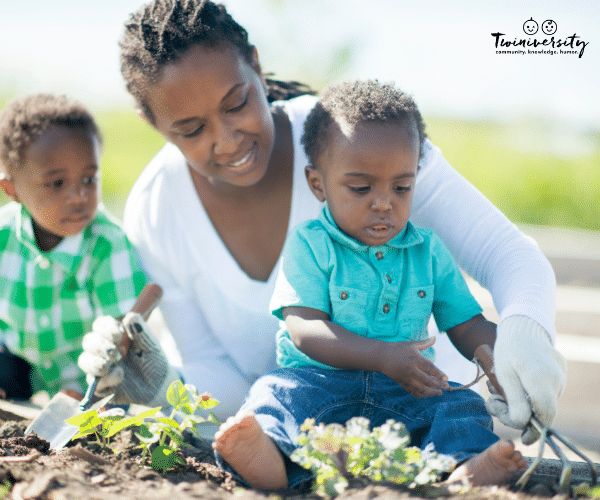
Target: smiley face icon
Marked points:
530	27
549	27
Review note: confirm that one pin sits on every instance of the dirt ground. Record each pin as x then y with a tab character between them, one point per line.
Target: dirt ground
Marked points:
85	470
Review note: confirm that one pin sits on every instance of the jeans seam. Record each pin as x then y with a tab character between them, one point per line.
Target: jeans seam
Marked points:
337	405
367	405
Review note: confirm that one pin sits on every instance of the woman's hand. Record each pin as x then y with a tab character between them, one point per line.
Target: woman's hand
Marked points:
531	372
404	363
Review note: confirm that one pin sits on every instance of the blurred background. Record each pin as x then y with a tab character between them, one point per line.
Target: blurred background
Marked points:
523	128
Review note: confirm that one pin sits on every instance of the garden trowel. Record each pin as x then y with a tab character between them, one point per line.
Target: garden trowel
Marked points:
50	424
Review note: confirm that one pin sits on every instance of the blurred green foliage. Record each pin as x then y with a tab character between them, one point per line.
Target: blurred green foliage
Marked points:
535	171
129	143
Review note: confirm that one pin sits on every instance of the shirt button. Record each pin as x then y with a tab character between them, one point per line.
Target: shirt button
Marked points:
344	295
389	278
421	293
386	308
379	255
44	321
44	263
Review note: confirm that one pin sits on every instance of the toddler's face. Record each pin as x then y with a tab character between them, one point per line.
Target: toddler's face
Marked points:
58	183
367	178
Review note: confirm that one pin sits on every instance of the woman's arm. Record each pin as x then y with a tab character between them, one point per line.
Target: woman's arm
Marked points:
521	280
484	242
330	344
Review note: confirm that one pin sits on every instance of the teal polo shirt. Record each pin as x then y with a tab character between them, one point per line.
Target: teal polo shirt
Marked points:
385	292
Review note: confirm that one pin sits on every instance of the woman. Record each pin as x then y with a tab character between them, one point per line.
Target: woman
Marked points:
211	212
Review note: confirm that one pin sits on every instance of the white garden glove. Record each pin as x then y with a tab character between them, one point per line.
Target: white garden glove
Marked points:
531	372
142	376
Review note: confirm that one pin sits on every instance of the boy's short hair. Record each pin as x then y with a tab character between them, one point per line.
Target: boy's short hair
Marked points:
24	120
358	102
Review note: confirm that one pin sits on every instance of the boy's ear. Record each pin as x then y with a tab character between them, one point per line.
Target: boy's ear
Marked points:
142	115
315	181
8	186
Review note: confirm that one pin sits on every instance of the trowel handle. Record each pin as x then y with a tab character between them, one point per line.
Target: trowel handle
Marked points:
485	357
144	305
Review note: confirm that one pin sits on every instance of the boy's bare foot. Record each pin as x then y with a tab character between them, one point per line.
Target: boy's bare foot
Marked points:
252	454
492	466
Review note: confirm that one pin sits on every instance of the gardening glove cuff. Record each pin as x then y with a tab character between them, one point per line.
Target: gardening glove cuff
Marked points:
532	374
142	376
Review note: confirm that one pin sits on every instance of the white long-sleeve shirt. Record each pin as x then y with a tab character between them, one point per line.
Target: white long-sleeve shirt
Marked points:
219	317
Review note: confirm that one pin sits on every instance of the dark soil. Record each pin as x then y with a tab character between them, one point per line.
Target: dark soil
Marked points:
86	470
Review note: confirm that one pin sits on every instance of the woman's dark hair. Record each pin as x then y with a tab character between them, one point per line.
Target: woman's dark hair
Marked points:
24	120
358	102
162	31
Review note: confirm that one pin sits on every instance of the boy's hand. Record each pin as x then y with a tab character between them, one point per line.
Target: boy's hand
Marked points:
140	376
405	364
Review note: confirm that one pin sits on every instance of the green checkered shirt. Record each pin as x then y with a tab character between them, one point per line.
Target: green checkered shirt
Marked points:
48	300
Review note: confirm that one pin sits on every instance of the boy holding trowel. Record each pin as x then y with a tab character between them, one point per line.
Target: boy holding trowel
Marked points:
63	259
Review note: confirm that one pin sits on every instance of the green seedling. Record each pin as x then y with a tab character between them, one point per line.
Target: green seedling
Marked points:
153	431
337	454
187	404
101	424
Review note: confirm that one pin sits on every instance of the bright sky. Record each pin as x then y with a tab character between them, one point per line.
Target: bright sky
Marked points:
440	51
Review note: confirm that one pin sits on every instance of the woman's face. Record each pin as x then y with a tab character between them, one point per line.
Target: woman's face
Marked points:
212	105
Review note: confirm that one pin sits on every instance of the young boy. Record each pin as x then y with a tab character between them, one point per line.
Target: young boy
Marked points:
63	260
356	289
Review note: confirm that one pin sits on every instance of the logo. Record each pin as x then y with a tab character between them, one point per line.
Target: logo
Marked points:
541	44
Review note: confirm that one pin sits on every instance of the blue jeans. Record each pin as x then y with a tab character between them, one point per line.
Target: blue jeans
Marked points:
456	423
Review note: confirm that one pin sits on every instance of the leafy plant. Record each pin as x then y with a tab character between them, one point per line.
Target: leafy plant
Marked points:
337	453
152	429
106	424
187	405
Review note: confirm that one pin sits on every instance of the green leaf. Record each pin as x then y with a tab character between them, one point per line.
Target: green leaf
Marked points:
177	394
164	458
170	422
213	419
83	418
84	432
207	404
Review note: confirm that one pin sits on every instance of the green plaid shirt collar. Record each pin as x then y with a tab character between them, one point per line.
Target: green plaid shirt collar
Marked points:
68	253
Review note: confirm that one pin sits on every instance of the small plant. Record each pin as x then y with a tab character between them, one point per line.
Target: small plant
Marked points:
152	430
106	424
337	453
187	404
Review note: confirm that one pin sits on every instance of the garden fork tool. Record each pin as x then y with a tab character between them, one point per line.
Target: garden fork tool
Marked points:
485	359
